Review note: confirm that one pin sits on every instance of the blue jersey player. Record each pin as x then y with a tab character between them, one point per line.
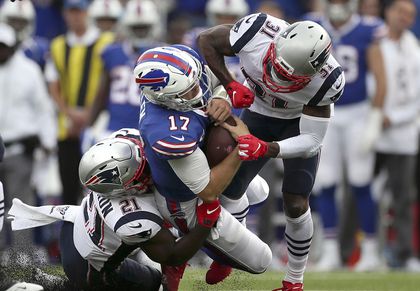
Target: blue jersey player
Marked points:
179	92
355	126
118	94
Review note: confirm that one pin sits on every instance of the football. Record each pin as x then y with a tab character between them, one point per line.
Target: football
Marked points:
218	143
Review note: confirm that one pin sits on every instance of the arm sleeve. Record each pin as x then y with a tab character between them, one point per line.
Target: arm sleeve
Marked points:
308	142
193	170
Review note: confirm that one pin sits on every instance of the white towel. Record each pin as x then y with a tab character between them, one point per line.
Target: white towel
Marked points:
24	216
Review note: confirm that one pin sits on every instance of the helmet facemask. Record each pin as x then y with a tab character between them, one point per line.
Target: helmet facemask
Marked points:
278	74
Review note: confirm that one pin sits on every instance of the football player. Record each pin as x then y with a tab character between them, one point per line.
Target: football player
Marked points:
118	93
357	123
220	12
178	94
295	80
118	216
20	16
106	14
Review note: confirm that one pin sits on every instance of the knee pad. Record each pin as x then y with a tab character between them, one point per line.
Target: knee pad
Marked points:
257	191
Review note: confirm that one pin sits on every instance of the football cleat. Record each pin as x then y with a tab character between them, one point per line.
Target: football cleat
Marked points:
217	273
289	286
172	276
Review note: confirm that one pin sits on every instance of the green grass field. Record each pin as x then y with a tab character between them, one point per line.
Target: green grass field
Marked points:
389	281
194	280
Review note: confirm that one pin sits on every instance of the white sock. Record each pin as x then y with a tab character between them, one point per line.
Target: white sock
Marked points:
298	235
238	208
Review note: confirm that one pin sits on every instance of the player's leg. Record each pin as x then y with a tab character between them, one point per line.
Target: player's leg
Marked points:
299	178
233	244
75	267
360	166
400	170
328	178
229	241
132	275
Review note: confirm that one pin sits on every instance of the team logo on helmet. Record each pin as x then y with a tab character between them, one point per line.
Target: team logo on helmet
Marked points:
321	58
156	80
111	176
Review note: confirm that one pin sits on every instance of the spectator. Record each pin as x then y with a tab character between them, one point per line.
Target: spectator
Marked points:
356	124
73	74
21	17
402	63
271	7
370	8
26	116
105	14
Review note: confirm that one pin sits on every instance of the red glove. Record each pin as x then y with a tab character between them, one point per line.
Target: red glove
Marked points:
208	213
240	95
251	148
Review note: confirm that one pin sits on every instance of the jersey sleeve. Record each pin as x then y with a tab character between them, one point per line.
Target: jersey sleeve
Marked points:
332	86
245	30
176	145
113	56
193	170
139	226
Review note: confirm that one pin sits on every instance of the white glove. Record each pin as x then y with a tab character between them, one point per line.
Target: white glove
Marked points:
372	131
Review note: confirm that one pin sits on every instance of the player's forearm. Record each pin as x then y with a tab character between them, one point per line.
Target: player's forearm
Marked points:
220	177
214	45
186	246
304	145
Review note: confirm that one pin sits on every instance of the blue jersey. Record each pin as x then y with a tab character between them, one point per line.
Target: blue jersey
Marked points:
350	45
170	134
124	95
37	49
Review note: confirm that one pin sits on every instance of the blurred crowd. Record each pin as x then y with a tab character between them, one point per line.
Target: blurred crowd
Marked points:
63	62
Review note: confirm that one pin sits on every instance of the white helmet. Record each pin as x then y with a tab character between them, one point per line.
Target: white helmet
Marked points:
105	9
23	10
295	56
340	11
116	166
142	13
237	8
167	74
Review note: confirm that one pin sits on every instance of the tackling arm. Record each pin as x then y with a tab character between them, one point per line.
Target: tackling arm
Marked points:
214	45
313	126
167	250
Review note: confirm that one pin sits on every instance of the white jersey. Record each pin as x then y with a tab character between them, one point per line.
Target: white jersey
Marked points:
250	39
110	229
402	102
